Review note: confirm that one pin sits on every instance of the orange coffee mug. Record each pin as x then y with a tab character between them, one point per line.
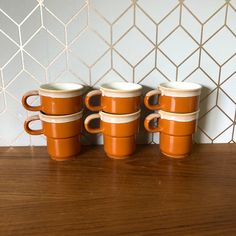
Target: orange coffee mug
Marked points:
56	98
62	132
119	132
179	97
176	131
116	98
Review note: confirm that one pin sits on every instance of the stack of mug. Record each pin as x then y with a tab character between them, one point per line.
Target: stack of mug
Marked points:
177	104
119	113
60	112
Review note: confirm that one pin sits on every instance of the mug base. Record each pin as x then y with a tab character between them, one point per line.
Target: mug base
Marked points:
175	156
62	158
117	157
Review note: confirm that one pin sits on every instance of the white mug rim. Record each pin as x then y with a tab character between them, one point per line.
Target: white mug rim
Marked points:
60	118
166	86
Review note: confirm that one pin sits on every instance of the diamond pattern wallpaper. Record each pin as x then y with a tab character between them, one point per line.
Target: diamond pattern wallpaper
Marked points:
96	41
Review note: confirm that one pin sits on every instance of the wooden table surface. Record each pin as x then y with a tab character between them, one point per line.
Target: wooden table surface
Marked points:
147	194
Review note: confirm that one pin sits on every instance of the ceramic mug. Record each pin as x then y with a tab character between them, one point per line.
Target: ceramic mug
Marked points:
56	98
62	132
179	97
176	131
116	98
119	132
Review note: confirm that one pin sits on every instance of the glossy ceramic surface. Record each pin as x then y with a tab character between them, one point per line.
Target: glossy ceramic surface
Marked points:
119	132
116	98
56	98
179	97
176	131
62	132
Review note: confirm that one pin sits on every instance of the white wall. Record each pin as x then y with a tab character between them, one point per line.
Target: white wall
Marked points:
96	41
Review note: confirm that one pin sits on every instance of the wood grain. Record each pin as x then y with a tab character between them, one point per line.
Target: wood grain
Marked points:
94	195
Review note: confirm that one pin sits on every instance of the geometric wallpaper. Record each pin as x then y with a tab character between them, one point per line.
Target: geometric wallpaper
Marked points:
96	41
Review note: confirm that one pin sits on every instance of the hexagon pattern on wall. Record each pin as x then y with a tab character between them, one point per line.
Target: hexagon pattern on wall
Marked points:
97	41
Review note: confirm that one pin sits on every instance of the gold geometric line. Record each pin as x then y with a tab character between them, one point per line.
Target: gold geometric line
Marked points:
99	36
152	50
200	50
58	76
204	133
10	59
13	79
146	75
228	78
144	35
182	27
85	6
230	30
232	6
122	36
55	58
12	40
228	59
27	17
123	13
213	35
194	16
83	31
180	12
17	137
171	32
201	117
5	14
100	15
41	5
99	79
58	40
227	95
51	13
134	13
192	72
30	38
209	55
123	58
218	135
160	51
234	128
224	113
166	16
77	76
117	72
226	13
215	13
77	57
208	95
99	58
162	74
217	93
167	57
177	74
209	77
145	13
190	55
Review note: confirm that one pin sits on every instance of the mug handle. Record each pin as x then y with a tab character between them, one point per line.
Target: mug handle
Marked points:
87	122
88	98
147	121
26	105
147	100
28	129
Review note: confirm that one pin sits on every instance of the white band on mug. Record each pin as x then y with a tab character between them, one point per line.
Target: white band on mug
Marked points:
119	119
185	117
61	90
60	119
180	89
